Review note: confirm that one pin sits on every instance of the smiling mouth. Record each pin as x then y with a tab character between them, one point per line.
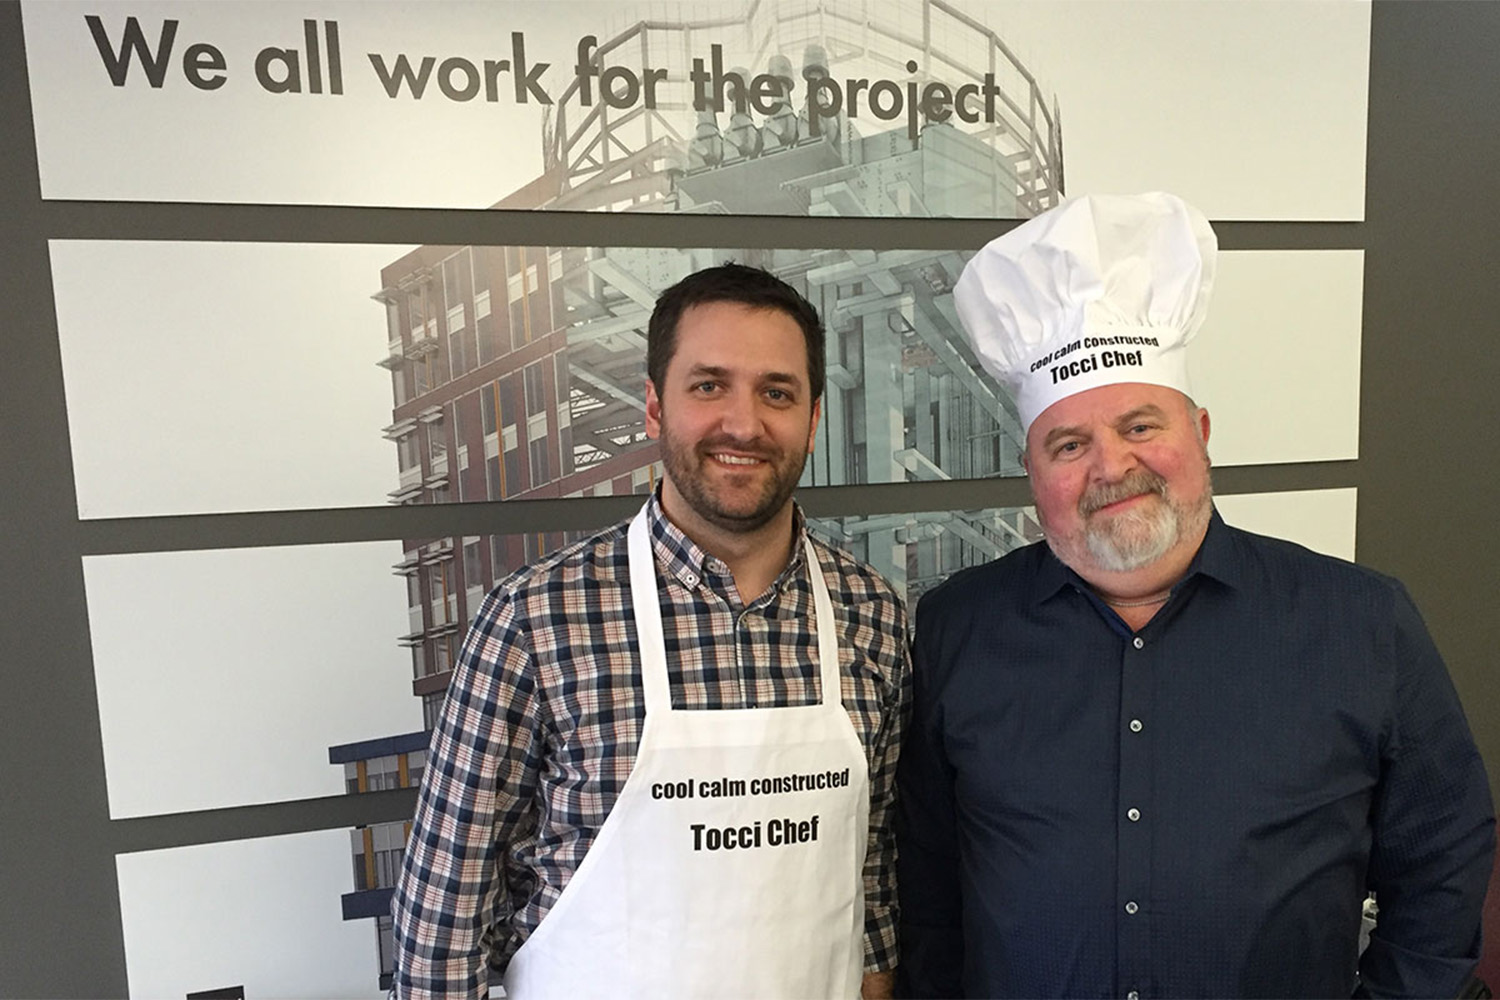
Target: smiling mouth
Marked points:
1119	505
1125	501
736	459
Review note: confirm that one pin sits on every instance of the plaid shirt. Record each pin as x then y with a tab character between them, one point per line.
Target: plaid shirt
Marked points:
545	712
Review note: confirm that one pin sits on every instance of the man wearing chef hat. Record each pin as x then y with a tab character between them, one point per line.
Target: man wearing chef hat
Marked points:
1157	755
667	758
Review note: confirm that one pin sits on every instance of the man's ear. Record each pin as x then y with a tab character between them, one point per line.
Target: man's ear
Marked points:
812	431
1203	425
653	411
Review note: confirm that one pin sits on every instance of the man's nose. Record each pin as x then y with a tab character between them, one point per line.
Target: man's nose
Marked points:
740	417
1113	458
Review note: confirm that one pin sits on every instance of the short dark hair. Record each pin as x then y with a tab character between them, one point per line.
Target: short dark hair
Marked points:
731	282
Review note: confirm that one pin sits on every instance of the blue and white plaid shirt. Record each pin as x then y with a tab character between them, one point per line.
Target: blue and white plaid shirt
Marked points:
545	712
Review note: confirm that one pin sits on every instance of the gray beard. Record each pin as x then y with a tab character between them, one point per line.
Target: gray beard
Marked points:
1131	541
1134	540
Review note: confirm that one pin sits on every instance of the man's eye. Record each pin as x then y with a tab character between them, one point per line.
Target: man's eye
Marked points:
705	386
1068	447
777	394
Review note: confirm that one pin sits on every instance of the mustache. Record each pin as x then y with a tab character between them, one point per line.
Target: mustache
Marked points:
754	446
1136	483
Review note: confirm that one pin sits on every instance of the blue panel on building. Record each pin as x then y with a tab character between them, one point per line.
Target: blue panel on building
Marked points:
367	904
383	747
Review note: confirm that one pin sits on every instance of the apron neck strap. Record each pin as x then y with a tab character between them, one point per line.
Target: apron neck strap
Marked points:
645	598
828	636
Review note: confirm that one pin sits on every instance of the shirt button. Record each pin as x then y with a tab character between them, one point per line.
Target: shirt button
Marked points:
1131	908
1134	814
1133	995
1138	642
1135	725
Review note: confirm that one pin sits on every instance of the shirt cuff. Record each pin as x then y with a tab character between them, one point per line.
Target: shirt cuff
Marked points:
880	939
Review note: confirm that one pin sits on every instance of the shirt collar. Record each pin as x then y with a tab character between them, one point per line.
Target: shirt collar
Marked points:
1217	558
679	556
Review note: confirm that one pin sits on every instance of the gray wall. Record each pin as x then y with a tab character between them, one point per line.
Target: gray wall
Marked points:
1430	432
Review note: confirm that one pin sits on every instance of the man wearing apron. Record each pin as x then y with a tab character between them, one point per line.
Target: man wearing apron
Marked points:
665	765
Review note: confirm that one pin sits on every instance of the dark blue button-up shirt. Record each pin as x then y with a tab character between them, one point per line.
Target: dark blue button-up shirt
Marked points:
1195	809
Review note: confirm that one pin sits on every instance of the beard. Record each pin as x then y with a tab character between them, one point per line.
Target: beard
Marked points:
711	492
1135	538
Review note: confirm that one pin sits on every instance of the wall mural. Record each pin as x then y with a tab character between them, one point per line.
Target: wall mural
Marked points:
212	377
217	377
1250	110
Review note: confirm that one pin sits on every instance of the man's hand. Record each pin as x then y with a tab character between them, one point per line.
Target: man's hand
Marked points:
878	986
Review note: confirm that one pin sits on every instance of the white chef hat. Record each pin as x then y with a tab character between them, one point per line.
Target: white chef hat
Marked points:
1100	290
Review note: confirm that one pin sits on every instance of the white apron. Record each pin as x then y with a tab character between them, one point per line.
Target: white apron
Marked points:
717	873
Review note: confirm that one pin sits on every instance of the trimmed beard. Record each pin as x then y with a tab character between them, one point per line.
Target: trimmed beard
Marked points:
1136	538
684	462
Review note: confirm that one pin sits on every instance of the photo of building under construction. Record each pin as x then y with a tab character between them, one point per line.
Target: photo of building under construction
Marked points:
517	372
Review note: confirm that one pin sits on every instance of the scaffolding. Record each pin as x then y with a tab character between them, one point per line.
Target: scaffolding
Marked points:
658	158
